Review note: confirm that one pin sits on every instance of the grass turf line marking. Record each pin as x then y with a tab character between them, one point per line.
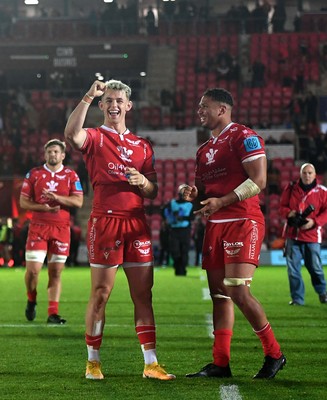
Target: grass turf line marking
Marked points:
229	392
206	294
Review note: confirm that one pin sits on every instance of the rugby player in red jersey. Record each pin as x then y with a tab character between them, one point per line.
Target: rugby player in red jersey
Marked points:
230	173
121	168
49	191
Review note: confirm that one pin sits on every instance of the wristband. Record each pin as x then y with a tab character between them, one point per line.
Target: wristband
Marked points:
85	102
87	99
247	189
144	183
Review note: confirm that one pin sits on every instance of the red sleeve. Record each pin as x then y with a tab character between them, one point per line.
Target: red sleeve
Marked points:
284	208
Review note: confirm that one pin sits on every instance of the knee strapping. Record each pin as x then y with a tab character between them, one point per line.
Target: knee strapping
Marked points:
57	258
35	255
237	281
219	296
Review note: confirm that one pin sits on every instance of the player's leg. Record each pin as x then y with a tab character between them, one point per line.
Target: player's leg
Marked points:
34	263
140	281
36	250
223	322
56	264
238	280
102	282
59	243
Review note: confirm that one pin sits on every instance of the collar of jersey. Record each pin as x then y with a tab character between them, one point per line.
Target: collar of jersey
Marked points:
105	128
53	172
223	131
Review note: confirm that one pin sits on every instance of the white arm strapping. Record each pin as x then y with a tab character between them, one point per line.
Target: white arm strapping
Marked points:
247	189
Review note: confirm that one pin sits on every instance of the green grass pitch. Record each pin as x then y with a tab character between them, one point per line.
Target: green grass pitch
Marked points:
41	362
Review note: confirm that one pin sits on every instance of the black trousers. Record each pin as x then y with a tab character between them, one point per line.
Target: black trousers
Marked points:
180	239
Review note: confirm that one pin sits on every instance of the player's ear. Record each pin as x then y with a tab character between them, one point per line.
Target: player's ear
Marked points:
129	105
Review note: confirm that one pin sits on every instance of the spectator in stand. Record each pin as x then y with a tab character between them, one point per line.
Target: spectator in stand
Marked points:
150	22
178	109
304	205
259	18
243	15
279	17
258	74
296	109
311	107
273	179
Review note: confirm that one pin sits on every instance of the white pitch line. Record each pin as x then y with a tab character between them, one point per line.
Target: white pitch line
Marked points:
209	325
229	392
206	294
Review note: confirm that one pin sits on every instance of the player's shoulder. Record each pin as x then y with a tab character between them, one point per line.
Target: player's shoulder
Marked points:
243	130
36	170
68	170
137	140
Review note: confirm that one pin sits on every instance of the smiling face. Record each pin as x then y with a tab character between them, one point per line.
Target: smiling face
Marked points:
115	105
210	112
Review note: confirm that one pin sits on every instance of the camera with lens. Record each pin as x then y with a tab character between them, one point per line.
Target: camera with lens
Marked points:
300	219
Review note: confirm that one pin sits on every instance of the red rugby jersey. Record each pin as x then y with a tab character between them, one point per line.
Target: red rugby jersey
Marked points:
106	154
219	165
64	182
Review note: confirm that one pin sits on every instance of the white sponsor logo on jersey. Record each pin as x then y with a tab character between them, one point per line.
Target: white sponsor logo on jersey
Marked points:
133	142
232	252
139	243
144	251
61	177
233	244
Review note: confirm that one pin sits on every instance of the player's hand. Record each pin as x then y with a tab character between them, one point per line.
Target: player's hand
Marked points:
189	193
97	89
211	205
49	195
54	209
134	177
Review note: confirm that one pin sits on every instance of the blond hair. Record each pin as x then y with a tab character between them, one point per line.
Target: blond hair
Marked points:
119	85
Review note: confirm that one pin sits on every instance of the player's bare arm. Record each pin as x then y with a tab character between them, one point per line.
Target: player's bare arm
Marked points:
256	181
29	204
147	185
74	200
74	132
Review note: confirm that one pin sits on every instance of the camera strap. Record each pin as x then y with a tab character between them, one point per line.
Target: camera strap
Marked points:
302	205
